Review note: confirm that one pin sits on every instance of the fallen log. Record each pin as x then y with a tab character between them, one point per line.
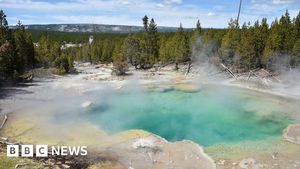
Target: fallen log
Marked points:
254	74
225	67
271	75
4	121
3	138
20	165
25	78
263	79
249	75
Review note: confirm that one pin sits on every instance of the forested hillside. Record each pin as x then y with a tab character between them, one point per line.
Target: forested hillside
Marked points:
244	47
250	46
71	37
95	28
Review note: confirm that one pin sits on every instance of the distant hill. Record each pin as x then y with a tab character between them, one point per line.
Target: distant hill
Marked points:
96	28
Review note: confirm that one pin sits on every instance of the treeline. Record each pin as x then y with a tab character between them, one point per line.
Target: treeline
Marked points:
149	48
71	37
245	47
18	54
49	53
16	50
142	50
263	46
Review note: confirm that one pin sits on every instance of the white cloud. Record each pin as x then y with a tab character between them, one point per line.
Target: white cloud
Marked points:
102	11
161	5
271	8
274	2
283	1
130	12
173	1
125	2
211	14
65	6
168	3
125	12
82	4
98	19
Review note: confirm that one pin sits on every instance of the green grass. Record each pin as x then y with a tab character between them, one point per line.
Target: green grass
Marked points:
10	163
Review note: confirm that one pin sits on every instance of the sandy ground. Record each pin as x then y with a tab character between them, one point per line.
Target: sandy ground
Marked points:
134	148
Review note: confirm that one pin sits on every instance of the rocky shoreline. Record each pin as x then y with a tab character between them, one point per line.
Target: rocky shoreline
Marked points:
292	133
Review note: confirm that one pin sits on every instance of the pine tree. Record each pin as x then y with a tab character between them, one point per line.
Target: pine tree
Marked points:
261	34
213	36
42	50
3	21
197	32
63	64
5	33
7	49
132	50
145	23
198	27
150	45
153	40
285	24
96	51
119	61
30	52
195	39
230	43
181	50
296	31
55	52
7	66
24	48
164	50
256	38
279	43
246	48
107	52
47	51
295	57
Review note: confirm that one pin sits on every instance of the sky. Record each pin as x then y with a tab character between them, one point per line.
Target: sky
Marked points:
211	13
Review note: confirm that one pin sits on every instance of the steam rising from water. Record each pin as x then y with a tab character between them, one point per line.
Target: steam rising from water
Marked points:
206	58
214	115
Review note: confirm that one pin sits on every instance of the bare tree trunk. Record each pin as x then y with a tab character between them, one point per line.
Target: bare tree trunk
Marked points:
225	67
3	122
189	68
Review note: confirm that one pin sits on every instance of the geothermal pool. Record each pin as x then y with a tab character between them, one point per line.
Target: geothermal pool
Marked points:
214	115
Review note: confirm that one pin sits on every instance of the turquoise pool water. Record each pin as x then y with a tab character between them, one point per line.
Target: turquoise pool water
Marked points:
208	117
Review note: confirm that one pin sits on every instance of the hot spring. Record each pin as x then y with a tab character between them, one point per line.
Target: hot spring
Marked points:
214	115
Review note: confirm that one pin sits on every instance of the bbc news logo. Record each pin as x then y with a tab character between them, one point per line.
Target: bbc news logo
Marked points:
45	150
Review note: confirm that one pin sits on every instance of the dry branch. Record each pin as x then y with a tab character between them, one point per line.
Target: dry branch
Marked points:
3	122
271	75
225	67
188	69
20	165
